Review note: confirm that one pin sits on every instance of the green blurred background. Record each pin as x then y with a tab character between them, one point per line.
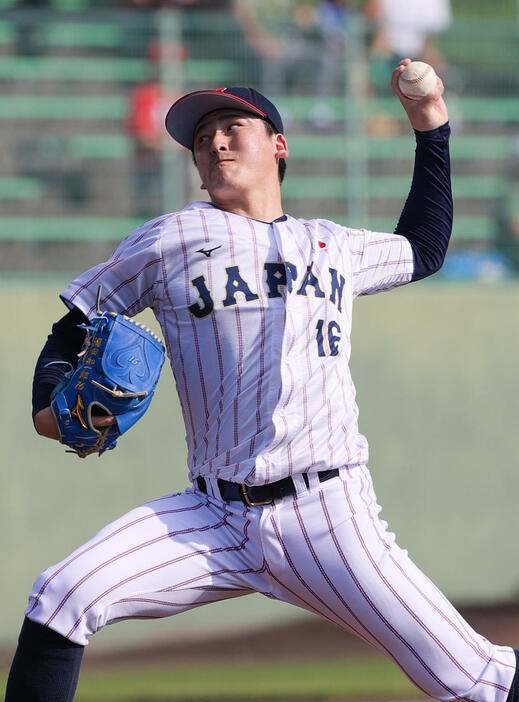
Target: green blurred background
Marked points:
84	88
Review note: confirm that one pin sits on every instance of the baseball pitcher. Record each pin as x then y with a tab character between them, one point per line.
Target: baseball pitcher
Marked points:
255	309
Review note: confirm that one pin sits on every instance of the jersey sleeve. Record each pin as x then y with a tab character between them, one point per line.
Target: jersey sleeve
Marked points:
379	261
131	279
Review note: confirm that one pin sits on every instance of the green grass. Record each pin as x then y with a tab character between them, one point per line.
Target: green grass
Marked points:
312	679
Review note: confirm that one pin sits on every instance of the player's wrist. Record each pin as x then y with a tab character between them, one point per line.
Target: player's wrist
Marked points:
442	131
427	121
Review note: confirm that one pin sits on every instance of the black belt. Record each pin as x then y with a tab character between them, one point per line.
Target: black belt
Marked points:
253	495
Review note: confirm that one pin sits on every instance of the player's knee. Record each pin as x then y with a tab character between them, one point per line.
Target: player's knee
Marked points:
59	601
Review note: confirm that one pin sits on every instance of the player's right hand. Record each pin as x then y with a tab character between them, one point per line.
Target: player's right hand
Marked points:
427	113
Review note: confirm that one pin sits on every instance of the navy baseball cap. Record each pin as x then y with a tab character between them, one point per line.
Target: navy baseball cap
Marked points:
185	113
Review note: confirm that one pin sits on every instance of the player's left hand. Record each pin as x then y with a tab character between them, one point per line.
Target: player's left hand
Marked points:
426	113
46	425
112	385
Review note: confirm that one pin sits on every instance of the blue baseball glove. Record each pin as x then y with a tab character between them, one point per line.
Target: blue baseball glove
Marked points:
117	373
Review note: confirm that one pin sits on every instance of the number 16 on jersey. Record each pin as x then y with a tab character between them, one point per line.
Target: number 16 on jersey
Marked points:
332	332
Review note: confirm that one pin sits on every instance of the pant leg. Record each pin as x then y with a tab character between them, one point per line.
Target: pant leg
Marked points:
165	557
330	553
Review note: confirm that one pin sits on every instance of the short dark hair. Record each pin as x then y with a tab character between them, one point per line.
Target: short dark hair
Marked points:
282	164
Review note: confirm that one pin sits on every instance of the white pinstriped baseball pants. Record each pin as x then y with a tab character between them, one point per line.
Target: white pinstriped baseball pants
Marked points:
324	549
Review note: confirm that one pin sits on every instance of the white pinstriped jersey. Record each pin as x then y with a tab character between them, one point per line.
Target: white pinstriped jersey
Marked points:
256	318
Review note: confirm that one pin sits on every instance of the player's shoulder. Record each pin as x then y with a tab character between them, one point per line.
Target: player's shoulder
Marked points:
195	208
199	212
150	229
329	225
166	224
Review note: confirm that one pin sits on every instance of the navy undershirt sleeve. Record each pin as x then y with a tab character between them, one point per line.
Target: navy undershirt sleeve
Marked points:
58	356
426	220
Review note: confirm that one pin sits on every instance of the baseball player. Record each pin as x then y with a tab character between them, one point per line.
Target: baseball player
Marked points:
255	308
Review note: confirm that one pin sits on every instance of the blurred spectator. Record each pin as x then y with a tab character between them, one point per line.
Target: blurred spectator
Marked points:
332	16
406	29
332	22
332	25
145	123
149	104
283	35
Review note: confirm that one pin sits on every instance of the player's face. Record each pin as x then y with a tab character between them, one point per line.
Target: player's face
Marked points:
234	153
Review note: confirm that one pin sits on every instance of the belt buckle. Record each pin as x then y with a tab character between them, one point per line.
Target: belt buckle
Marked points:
249	502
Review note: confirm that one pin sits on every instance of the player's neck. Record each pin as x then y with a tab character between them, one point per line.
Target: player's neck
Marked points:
263	208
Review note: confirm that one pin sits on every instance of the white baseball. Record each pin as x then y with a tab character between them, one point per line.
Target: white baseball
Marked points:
417	80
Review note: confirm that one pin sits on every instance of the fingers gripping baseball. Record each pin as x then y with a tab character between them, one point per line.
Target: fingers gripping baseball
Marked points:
427	111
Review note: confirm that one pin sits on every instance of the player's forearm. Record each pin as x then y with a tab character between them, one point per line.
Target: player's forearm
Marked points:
426	220
57	357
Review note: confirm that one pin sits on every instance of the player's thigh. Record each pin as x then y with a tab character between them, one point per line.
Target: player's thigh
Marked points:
346	566
162	558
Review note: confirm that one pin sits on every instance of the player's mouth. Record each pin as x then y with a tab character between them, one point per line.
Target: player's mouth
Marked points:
221	161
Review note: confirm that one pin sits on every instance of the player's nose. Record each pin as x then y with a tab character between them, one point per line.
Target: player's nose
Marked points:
219	142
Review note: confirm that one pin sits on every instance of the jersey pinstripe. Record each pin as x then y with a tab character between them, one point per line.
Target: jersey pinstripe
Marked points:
272	303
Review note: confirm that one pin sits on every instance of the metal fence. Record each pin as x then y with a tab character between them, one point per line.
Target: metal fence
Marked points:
85	157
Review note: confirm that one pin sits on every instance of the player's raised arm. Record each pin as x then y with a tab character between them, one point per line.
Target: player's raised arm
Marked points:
426	219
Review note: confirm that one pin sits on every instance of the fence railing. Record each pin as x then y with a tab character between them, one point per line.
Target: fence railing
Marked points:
84	154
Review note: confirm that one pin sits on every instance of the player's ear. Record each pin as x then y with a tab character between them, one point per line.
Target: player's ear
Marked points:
281	146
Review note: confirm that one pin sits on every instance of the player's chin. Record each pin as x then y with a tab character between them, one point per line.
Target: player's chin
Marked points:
224	186
222	169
